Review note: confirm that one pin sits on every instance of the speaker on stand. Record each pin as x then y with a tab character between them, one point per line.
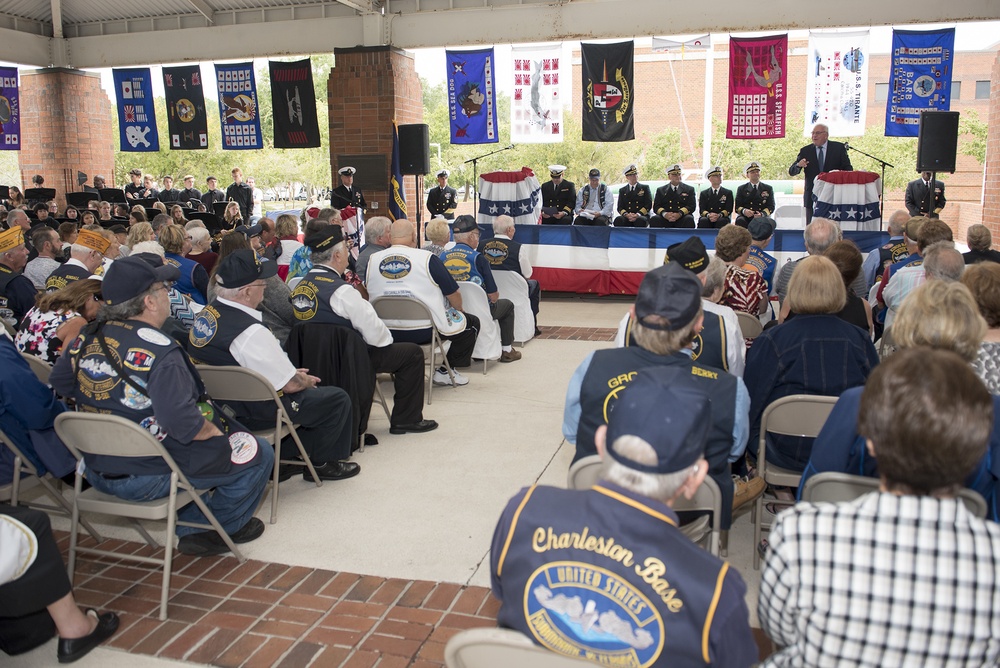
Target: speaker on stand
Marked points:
415	158
937	146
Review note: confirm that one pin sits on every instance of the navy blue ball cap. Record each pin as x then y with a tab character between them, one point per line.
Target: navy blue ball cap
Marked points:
690	253
325	238
668	414
243	267
671	292
464	223
129	277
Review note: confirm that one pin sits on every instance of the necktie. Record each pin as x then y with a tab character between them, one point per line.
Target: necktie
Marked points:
674	188
820	161
715	192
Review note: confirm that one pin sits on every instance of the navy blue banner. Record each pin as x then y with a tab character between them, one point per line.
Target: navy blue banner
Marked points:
136	116
10	110
397	198
920	78
238	107
472	96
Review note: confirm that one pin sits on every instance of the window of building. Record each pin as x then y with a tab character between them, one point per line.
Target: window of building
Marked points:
956	90
982	90
882	92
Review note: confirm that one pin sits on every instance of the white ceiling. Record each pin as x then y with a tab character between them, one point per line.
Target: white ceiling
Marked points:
104	33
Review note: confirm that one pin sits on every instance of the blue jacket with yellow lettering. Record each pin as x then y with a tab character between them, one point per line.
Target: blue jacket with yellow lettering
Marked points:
605	574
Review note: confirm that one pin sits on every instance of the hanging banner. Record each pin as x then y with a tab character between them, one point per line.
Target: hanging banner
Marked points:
757	87
238	107
136	115
515	194
536	108
608	92
10	110
472	96
185	97
700	43
397	198
920	78
837	83
293	103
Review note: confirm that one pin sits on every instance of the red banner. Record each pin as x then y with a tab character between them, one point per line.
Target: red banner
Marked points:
757	86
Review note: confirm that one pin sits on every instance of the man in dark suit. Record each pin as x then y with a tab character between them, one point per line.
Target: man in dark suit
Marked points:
754	199
715	204
634	201
674	203
213	194
558	198
822	155
917	196
442	200
346	194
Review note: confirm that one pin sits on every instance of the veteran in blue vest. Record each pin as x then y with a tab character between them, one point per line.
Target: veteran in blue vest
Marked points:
229	332
594	202
125	365
505	254
667	317
605	574
761	232
86	255
464	263
323	296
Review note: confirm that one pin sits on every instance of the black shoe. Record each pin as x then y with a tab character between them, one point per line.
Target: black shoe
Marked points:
210	543
71	649
538	332
416	427
250	531
370	440
333	471
286	471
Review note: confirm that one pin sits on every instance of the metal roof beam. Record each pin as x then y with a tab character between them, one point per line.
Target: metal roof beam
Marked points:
363	6
202	7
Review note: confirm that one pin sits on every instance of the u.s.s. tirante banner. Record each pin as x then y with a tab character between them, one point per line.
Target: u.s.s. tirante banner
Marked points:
837	82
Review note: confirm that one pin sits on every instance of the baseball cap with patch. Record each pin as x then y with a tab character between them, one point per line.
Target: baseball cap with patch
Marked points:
671	292
690	254
11	239
761	228
594	174
92	240
243	267
464	223
249	231
674	169
678	434
325	238
129	277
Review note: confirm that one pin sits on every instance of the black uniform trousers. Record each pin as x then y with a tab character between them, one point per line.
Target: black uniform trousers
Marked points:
406	362
462	344
599	220
742	220
685	221
45	581
705	224
322	416
641	221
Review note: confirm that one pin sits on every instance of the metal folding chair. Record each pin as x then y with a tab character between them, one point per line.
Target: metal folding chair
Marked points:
40	367
837	487
502	648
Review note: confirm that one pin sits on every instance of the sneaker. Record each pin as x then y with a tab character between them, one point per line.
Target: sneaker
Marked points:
510	356
441	378
746	490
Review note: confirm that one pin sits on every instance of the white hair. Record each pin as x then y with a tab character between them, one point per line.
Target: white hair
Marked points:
660	486
502	224
148	247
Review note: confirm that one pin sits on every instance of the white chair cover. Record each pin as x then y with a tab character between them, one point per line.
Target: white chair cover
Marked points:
474	301
512	286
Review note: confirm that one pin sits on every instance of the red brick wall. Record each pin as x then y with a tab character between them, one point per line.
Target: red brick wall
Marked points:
367	89
67	125
991	207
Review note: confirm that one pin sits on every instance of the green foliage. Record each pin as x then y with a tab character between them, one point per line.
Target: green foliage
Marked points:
972	135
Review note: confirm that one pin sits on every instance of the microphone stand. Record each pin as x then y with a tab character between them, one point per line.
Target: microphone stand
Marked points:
881	194
475	177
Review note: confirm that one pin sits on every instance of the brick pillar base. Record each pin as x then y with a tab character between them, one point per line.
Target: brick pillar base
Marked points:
67	126
991	201
368	88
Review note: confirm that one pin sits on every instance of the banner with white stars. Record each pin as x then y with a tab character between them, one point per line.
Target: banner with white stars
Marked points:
849	198
515	194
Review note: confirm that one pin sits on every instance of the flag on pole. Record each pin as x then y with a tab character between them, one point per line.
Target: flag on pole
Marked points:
757	74
187	122
608	93
515	194
837	82
293	103
699	43
919	79
238	108
472	96
10	110
536	106
136	114
397	198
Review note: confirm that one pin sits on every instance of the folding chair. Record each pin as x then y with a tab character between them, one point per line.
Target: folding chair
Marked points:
800	415
40	367
406	308
234	383
113	436
750	325
502	648
836	487
512	286
26	477
475	301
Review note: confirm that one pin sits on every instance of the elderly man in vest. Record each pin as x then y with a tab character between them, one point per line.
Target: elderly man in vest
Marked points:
505	254
228	332
464	263
86	255
323	296
17	293
594	202
605	573
668	318
403	270
162	392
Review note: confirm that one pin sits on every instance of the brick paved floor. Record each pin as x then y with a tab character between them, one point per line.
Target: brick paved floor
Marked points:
578	333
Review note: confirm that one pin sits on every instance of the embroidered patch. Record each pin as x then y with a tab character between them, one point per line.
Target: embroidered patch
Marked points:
394	266
244	447
139	359
151	335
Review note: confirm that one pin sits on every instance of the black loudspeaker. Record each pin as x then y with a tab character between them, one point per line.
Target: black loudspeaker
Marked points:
414	149
937	143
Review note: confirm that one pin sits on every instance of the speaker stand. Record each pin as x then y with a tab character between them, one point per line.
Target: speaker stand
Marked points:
930	195
420	200
881	194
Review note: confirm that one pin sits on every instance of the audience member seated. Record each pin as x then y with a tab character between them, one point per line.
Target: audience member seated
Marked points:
193	282
300	263
891	251
86	257
979	239
36	595
504	254
232	218
813	353
617	545
323	297
745	290
912	234
905	576
465	263
46	243
201	248
287	229
57	319
163	393
907	277
228	332
88	218
817	239
937	315
848	260
428	281
438	233
17	294
67	235
984	284
667	318
761	232
377	239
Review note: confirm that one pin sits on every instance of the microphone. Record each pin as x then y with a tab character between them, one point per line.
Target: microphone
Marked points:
847	145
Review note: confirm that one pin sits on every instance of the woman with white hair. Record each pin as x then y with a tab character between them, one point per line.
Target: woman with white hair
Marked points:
201	247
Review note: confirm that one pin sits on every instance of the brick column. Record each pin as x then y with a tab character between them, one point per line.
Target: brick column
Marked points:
991	199
367	89
67	125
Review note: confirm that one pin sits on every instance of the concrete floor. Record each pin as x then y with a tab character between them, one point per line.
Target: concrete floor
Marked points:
425	505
